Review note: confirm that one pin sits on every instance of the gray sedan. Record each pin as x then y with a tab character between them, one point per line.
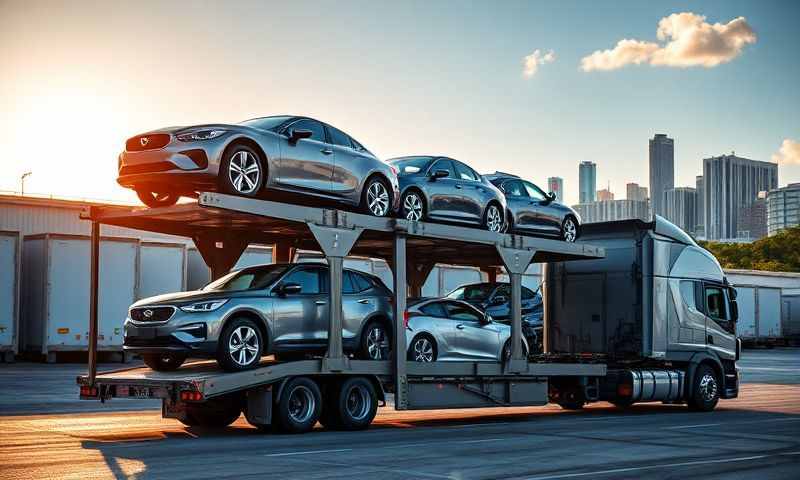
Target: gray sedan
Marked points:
296	156
279	309
452	330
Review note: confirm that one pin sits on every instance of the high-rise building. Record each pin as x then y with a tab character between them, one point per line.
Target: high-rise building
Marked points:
730	183
783	208
680	208
556	185
662	170
605	195
700	212
635	192
587	181
612	210
752	219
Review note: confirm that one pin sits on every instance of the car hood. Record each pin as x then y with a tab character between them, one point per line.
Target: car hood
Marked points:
183	298
207	126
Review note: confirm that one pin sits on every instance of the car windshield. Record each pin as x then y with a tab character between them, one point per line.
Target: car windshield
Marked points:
410	165
266	123
254	278
472	293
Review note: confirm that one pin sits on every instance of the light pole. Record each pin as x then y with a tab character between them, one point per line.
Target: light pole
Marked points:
22	182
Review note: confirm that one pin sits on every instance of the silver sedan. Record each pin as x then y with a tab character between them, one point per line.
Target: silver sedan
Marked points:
451	330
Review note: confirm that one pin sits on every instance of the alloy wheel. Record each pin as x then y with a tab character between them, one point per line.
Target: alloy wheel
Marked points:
358	402
301	404
412	207
423	350
377	199
244	172
377	343
494	221
708	387
570	232
243	345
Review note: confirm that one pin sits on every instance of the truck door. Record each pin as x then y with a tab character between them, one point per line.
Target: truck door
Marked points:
720	323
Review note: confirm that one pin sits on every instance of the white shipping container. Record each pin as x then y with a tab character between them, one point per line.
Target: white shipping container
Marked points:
56	282
746	300
162	268
769	312
759	312
10	262
791	315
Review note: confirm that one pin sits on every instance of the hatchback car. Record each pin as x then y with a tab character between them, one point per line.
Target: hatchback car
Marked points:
289	154
443	189
531	210
279	309
451	330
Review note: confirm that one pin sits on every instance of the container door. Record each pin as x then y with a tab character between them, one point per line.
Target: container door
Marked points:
161	269
769	312
117	290
746	299
8	289
68	294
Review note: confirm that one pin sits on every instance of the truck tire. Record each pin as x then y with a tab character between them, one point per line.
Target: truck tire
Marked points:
215	413
572	399
351	405
299	406
163	362
705	389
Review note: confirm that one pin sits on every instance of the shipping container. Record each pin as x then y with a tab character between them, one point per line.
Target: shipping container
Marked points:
760	318
162	268
791	316
10	262
55	297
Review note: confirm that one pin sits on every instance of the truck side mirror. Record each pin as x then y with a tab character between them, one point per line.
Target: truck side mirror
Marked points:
734	311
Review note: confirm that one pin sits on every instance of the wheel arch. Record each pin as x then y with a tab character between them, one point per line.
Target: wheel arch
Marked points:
258	319
244	140
703	358
424	333
500	206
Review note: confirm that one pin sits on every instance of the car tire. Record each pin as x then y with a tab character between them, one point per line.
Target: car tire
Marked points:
242	171
423	349
214	413
569	230
299	406
376	198
705	389
163	362
413	206
157	199
240	345
493	219
351	405
376	341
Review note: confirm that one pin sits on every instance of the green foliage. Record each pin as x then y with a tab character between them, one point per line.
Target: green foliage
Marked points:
778	253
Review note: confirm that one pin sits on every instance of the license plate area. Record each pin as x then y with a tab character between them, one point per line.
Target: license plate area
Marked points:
134	391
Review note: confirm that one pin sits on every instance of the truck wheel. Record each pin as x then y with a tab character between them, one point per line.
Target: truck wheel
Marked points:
352	406
622	403
215	413
240	345
572	399
705	390
299	406
163	362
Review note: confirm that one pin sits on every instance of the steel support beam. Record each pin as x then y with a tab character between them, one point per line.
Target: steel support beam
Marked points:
220	252
335	243
516	262
417	273
94	283
491	274
399	337
283	252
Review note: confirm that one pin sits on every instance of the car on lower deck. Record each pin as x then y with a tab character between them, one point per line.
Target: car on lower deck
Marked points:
441	329
447	190
284	155
279	309
532	211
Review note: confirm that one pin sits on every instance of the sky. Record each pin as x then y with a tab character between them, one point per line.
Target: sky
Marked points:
531	88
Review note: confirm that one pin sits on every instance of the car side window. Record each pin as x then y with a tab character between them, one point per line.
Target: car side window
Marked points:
434	309
514	188
461	312
716	304
308	279
463	172
340	138
348	285
444	164
361	283
533	191
687	293
316	128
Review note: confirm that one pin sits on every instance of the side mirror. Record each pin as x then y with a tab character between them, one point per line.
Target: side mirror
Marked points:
439	174
551	196
734	311
487	319
298	134
290	289
499	300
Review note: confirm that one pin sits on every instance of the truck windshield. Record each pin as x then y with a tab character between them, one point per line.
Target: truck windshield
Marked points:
472	293
254	278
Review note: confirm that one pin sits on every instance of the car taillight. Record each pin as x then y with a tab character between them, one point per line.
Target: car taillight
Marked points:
87	391
405	319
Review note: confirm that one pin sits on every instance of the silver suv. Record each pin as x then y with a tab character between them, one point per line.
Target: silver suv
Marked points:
279	309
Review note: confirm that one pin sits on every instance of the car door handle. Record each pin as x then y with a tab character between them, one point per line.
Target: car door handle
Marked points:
321	302
460	326
326	151
458	186
363	300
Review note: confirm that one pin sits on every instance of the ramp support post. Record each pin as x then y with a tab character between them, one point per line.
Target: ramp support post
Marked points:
335	243
516	262
399	337
283	252
220	252
417	273
94	283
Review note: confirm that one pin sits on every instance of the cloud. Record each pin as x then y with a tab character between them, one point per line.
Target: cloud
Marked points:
532	62
789	153
687	40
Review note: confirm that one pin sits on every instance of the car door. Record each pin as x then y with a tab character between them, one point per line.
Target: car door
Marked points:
472	191
443	330
475	338
357	302
308	163
520	204
348	163
302	318
547	217
720	327
443	193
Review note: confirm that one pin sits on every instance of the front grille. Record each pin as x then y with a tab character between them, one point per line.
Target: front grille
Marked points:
156	314
151	342
146	168
148	141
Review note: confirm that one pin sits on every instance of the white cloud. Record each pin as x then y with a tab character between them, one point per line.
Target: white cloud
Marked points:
789	153
532	62
687	40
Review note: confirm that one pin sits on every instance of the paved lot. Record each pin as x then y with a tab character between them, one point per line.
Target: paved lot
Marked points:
756	436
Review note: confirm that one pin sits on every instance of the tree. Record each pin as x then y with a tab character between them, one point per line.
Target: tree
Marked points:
778	253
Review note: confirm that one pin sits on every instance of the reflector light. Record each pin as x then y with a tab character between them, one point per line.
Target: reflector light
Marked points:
405	319
63	331
624	390
87	391
188	396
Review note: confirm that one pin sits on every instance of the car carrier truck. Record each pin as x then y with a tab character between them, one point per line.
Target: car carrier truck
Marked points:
344	393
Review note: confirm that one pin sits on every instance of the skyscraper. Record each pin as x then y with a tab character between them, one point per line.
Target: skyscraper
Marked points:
783	208
587	181
611	210
752	219
729	183
662	170
680	207
635	192
605	195
700	212
556	185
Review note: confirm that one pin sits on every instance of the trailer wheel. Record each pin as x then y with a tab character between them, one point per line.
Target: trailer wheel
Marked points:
351	405
163	362
622	403
215	413
571	399
299	406
705	390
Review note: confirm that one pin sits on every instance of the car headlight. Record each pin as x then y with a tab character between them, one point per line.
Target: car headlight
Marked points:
199	135
204	306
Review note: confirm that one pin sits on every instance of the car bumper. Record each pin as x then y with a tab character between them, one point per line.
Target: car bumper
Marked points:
192	165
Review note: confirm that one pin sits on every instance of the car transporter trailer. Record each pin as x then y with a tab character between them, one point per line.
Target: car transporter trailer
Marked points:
339	391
